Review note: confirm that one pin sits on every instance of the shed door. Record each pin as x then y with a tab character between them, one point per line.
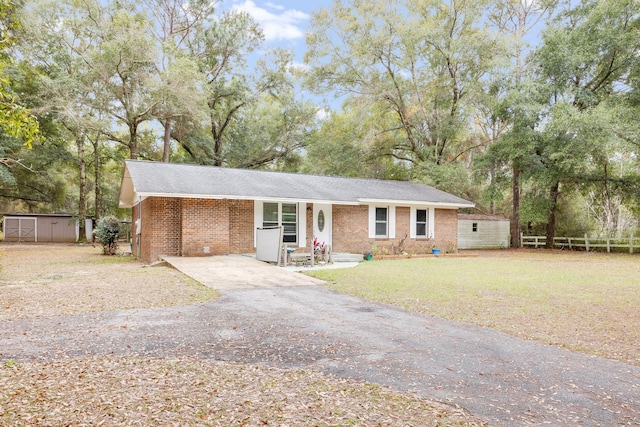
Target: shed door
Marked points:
20	229
322	222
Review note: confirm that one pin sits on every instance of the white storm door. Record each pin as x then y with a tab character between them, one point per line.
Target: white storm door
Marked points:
322	222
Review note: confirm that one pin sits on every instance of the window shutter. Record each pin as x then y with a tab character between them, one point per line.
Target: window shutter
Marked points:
412	224
432	223
302	225
372	222
392	222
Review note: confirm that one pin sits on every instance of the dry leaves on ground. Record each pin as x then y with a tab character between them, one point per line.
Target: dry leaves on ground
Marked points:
196	392
48	280
54	280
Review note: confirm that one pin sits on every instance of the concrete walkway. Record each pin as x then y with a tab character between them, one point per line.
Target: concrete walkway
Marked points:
237	272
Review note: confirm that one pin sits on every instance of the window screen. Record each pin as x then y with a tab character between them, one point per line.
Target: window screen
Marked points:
381	222
421	222
284	214
270	215
289	222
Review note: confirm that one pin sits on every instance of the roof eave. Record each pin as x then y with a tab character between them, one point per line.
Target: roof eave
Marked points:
143	195
136	197
127	195
443	205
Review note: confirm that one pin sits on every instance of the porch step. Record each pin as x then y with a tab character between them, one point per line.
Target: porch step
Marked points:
345	257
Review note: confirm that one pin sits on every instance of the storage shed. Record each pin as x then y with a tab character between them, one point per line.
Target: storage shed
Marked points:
477	231
32	227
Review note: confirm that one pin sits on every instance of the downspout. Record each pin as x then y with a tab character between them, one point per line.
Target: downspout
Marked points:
139	227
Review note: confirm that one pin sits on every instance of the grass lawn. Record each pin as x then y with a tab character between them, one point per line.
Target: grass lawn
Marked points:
585	302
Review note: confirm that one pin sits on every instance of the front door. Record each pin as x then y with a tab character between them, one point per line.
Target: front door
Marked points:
322	222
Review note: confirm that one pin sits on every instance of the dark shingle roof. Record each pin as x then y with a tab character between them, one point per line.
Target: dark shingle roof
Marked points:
482	217
142	178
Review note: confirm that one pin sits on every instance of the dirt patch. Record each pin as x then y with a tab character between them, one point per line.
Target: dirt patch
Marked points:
48	280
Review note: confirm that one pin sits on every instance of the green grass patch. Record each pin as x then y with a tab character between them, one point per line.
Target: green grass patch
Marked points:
582	301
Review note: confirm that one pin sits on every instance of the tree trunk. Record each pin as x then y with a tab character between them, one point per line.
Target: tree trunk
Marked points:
551	221
97	176
492	205
217	147
82	197
133	142
167	141
515	214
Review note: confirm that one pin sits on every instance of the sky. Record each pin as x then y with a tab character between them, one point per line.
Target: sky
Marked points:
284	22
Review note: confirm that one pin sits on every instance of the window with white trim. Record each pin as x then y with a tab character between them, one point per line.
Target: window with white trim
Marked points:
422	222
382	222
284	214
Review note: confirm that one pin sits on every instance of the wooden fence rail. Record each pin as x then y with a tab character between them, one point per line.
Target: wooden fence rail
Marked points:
586	243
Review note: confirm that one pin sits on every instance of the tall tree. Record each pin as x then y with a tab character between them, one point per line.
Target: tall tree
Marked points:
515	115
123	72
587	56
16	121
114	60
175	25
418	64
221	51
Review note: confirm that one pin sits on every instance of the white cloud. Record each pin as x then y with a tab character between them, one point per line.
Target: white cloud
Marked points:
295	65
276	26
323	114
274	6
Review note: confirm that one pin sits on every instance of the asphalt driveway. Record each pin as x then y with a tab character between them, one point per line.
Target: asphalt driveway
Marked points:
505	380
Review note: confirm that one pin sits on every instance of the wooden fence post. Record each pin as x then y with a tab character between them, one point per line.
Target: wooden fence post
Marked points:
586	242
631	244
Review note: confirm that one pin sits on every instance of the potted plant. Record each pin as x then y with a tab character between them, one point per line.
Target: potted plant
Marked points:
368	255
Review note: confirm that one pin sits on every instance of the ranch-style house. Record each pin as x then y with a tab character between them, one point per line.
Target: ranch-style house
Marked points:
189	210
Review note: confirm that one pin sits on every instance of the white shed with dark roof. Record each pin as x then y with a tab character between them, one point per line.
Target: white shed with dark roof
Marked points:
478	231
194	210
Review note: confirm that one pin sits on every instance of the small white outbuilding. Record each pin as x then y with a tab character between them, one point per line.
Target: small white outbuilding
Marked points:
477	231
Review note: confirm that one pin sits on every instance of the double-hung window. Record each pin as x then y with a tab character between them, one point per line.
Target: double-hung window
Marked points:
421	222
270	215
382	222
289	222
282	214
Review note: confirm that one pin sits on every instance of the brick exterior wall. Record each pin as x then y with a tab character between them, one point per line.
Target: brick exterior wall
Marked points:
205	227
160	228
186	227
308	247
241	231
446	221
351	231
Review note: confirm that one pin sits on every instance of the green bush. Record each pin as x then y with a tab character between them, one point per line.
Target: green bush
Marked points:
107	233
